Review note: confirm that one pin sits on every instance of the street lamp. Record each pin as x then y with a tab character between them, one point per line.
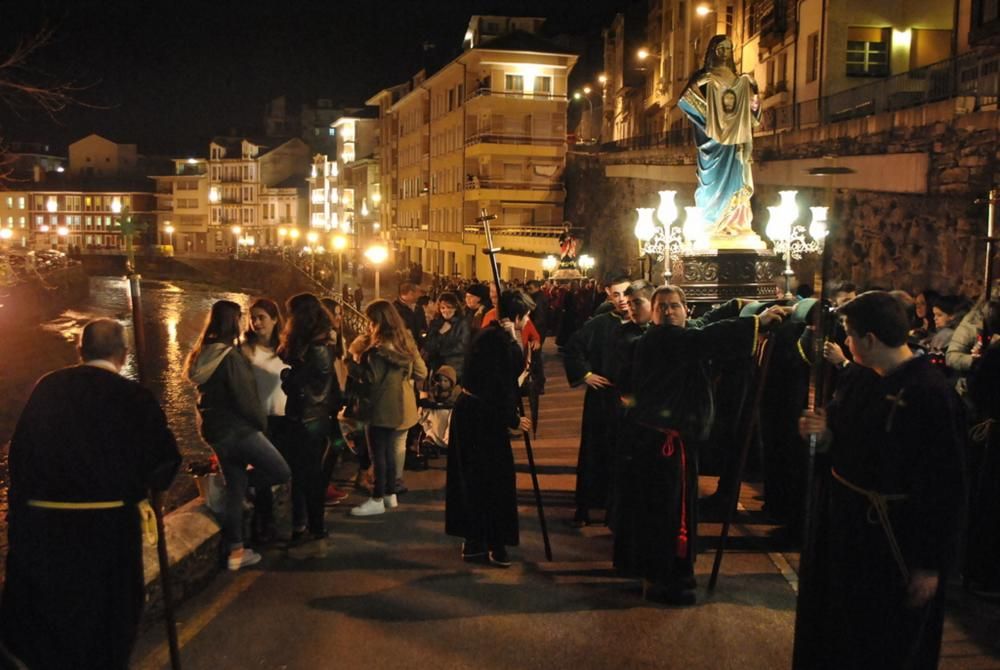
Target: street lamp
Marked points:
790	239
590	109
703	10
549	265
236	241
169	230
603	79
376	255
339	243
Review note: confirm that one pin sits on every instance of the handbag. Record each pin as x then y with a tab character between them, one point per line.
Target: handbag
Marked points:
357	395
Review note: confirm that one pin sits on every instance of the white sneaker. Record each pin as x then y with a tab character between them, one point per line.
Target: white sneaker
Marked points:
391	502
243	558
370	507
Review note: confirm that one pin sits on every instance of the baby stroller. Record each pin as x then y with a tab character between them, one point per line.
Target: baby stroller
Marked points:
435	416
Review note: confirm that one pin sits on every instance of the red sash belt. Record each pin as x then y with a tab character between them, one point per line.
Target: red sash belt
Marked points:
673	443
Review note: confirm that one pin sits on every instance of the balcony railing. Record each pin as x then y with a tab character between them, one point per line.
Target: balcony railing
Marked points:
553	231
477	183
489	137
972	75
674	137
517	95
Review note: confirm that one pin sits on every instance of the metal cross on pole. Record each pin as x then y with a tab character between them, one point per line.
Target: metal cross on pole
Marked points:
491	251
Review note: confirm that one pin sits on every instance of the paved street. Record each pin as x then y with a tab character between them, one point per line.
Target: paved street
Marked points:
394	593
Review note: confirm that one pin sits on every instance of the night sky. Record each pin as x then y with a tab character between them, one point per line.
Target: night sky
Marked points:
169	75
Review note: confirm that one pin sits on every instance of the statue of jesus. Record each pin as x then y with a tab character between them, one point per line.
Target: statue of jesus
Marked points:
724	108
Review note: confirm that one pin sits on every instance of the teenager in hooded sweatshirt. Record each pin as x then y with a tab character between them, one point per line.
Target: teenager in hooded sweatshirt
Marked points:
233	421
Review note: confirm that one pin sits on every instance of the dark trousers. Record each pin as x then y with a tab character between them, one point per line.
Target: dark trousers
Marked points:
333	451
307	445
382	446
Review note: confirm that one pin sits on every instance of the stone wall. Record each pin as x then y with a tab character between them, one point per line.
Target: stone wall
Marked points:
887	239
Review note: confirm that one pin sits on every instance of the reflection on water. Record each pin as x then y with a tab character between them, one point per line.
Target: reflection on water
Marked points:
173	315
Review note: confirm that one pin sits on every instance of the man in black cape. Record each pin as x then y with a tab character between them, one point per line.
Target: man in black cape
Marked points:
587	359
481	491
888	517
87	449
670	412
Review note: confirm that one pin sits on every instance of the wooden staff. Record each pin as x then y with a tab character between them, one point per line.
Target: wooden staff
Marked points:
155	497
485	218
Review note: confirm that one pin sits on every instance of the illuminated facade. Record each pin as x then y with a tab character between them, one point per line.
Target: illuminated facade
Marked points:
182	208
252	186
486	131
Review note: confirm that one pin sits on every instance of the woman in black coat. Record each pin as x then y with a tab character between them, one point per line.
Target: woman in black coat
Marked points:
312	391
447	336
481	503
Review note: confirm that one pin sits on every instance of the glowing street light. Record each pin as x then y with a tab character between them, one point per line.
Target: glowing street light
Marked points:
169	230
376	255
549	265
236	241
587	90
602	78
703	10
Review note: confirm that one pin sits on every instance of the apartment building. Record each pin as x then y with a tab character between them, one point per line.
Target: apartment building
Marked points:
14	217
485	132
344	189
255	185
182	208
805	56
387	151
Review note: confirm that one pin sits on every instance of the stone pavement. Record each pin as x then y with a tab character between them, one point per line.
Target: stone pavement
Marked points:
394	592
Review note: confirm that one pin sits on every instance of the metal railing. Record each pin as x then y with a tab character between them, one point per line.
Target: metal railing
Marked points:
974	75
519	95
477	183
489	137
553	231
676	137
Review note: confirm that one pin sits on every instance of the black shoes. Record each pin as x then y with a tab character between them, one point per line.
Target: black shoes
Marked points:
581	518
681	595
499	557
474	552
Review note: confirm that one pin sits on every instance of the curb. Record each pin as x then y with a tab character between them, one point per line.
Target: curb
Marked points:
194	542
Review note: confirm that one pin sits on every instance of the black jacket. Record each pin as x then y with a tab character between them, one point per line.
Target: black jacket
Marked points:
310	386
448	348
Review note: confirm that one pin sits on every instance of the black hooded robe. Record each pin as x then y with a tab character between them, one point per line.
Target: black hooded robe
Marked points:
481	489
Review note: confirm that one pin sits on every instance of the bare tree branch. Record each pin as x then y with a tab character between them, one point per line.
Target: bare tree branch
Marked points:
22	85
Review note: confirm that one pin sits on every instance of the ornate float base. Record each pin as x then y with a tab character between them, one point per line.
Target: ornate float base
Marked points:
719	275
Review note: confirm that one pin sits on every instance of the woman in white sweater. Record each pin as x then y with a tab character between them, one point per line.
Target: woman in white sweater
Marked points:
259	344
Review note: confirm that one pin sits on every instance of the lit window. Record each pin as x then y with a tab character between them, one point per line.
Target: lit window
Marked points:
514	82
867	52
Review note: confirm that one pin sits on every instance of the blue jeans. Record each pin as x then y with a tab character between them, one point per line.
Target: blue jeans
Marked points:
269	468
383	444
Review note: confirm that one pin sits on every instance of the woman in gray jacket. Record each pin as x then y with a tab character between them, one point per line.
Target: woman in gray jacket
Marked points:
232	421
387	362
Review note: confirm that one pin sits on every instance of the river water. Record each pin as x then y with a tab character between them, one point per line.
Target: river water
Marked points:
174	314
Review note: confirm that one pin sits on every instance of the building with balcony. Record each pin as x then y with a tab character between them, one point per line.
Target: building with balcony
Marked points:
344	188
485	132
244	175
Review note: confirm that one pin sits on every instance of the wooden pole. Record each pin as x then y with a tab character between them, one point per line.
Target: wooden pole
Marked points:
155	497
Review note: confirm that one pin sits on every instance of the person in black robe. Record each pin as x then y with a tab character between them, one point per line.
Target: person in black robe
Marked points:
87	449
587	361
481	491
671	411
873	596
622	495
